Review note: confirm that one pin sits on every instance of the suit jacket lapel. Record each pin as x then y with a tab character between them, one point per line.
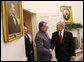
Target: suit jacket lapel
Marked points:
58	38
64	35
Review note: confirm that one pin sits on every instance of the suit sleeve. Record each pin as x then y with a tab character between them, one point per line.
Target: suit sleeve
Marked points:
9	26
40	48
27	46
72	47
53	41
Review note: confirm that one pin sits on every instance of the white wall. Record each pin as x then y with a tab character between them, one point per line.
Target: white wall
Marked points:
12	51
50	11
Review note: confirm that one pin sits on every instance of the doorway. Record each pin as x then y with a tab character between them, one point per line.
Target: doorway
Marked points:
29	19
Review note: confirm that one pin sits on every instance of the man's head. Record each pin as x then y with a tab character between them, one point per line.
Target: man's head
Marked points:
60	26
25	30
12	6
43	26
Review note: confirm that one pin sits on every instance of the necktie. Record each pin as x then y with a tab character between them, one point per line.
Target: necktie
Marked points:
60	38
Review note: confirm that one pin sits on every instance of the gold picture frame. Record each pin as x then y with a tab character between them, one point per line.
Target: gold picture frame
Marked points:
67	13
12	20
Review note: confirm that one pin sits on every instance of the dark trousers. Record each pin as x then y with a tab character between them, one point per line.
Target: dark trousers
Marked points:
30	58
63	59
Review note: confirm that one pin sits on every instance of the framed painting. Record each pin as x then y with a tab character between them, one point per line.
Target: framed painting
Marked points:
67	13
12	20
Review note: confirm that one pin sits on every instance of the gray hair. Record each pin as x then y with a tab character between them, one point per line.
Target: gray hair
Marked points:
62	23
42	24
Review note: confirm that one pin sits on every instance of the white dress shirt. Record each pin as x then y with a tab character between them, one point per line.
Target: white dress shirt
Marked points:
62	32
14	19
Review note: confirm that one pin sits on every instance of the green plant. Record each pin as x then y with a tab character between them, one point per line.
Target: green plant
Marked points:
73	25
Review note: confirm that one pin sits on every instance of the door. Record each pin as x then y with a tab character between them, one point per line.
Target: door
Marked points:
30	22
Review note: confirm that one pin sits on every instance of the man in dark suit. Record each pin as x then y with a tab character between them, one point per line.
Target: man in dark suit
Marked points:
63	42
13	26
28	46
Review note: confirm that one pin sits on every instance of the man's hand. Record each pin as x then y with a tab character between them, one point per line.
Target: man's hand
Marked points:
31	52
73	58
51	51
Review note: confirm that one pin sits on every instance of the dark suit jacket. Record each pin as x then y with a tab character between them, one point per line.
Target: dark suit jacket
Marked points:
12	27
43	45
27	45
66	50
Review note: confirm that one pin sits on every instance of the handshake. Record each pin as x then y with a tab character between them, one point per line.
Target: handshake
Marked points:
51	51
